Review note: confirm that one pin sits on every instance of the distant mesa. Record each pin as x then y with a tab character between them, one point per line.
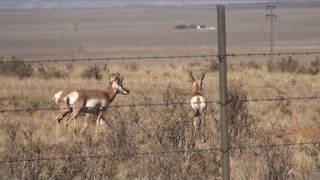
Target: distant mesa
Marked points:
194	27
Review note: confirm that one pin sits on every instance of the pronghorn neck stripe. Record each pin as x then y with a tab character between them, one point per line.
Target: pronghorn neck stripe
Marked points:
196	88
112	92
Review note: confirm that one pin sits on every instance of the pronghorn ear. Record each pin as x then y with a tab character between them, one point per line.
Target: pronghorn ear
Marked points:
202	77
191	76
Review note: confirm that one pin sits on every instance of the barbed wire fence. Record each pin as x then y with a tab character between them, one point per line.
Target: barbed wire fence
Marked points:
172	57
184	103
137	58
218	57
156	153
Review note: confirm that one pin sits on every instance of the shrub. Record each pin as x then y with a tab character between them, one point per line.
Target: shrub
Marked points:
51	72
279	164
241	122
131	67
292	66
214	66
288	65
16	68
92	72
315	63
251	65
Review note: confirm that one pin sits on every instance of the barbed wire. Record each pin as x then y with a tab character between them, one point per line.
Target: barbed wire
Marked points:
273	54
21	88
268	146
301	98
160	57
105	156
111	58
154	153
153	104
112	106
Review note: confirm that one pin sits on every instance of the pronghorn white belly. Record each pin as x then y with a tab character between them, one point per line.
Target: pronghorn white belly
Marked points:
198	103
93	103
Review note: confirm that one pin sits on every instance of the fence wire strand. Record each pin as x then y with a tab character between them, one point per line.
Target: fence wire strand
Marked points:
155	153
35	60
154	104
106	156
268	146
112	106
273	54
112	58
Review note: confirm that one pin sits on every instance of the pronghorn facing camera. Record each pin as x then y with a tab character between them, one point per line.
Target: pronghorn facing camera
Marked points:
198	102
88	101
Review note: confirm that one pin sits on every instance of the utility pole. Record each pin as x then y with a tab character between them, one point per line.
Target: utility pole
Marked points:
271	16
224	123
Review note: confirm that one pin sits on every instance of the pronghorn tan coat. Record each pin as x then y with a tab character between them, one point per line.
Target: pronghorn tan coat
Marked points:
88	101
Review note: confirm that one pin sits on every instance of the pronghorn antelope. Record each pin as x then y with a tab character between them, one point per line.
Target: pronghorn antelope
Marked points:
198	102
88	101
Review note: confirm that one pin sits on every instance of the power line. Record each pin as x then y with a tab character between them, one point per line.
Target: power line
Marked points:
271	16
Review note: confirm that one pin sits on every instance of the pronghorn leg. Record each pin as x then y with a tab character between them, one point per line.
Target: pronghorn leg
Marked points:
65	115
86	122
73	116
61	116
203	124
195	127
65	112
99	117
98	122
74	126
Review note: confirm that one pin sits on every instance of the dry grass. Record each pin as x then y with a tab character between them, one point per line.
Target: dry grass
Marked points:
167	128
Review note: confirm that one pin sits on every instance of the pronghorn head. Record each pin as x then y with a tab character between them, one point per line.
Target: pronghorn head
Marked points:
196	83
116	82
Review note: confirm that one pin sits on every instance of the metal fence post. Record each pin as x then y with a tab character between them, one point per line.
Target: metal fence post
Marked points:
223	93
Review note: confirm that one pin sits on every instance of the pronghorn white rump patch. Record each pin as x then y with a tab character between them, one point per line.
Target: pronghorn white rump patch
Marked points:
73	97
57	96
198	103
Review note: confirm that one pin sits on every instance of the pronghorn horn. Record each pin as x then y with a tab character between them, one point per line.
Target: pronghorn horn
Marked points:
191	76
112	77
203	74
121	78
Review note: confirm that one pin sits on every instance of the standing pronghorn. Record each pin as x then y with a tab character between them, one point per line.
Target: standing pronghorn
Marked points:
88	101
198	103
